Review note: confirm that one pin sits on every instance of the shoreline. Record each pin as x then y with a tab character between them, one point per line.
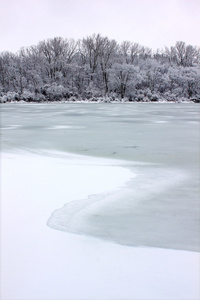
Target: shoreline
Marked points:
100	101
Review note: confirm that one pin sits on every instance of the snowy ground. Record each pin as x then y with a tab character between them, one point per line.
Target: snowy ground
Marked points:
39	263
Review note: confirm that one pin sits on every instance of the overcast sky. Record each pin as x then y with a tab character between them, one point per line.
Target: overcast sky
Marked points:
152	23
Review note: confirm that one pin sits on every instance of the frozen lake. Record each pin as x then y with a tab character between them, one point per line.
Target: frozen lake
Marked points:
118	182
158	142
147	132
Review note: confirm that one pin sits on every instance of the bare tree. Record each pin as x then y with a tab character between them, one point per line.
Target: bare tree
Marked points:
182	54
57	53
92	47
107	58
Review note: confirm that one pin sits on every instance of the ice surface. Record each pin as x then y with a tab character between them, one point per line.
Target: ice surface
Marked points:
142	192
163	201
141	214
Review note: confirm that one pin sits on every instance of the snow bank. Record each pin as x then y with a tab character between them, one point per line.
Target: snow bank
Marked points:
40	263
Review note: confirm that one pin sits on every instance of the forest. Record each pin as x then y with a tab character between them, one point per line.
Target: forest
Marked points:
97	68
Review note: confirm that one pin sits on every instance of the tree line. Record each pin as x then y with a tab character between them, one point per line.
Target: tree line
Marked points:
99	68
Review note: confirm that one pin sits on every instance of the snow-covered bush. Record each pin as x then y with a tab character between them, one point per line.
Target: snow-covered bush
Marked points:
146	99
140	95
55	92
72	99
92	92
113	96
3	99
155	97
12	96
40	98
9	97
28	96
169	96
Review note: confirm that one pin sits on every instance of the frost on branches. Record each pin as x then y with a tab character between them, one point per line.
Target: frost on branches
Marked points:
99	69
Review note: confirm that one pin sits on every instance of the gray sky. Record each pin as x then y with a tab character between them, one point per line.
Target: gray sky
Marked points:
152	23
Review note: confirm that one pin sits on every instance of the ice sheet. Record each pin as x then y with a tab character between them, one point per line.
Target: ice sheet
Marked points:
157	208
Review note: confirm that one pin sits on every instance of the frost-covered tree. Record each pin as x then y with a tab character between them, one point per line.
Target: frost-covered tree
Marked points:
182	54
122	79
107	55
56	54
97	66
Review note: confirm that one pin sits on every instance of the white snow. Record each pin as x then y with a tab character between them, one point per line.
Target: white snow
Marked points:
39	263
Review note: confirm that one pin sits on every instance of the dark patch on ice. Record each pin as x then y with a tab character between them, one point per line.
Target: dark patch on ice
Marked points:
114	153
130	147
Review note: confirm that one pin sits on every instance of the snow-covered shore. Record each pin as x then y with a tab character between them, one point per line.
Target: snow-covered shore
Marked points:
40	263
103	100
